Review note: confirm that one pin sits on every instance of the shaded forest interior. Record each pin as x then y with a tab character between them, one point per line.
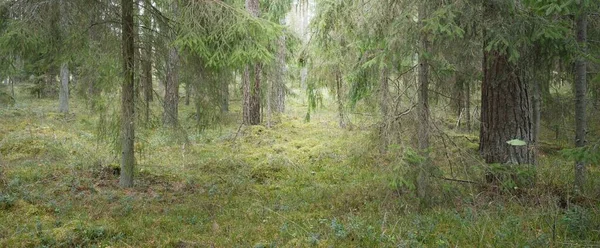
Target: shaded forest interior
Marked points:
299	123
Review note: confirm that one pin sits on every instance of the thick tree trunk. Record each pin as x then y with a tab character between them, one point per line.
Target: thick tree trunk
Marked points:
580	96
63	95
127	100
505	113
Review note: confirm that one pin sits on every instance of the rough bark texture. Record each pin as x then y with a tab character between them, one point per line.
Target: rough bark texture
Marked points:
246	96
147	63
468	104
255	96
536	102
422	182
580	96
170	115
63	94
127	101
505	113
423	78
171	104
252	95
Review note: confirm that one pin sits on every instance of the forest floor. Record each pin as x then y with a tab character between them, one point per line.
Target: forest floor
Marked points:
296	184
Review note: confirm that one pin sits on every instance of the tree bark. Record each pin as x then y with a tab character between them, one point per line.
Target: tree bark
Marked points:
127	100
340	99
253	114
246	95
422	181
171	104
63	96
423	77
147	63
580	95
279	87
468	104
505	113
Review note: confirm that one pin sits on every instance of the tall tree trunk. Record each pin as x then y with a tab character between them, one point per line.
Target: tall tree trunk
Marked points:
246	95
279	87
127	100
423	77
384	93
468	104
580	95
147	63
536	103
505	112
252	117
63	96
63	92
171	104
422	181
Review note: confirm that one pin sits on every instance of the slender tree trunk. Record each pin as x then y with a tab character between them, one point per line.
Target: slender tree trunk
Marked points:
279	89
423	100
254	114
580	95
64	89
422	181
384	93
468	104
147	63
12	87
246	95
127	100
188	94
340	99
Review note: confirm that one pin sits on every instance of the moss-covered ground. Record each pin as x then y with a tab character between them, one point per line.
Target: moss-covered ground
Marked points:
296	184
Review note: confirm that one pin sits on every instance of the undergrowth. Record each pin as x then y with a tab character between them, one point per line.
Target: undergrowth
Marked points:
296	184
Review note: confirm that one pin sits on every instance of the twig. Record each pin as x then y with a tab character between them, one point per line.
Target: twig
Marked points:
456	180
238	132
